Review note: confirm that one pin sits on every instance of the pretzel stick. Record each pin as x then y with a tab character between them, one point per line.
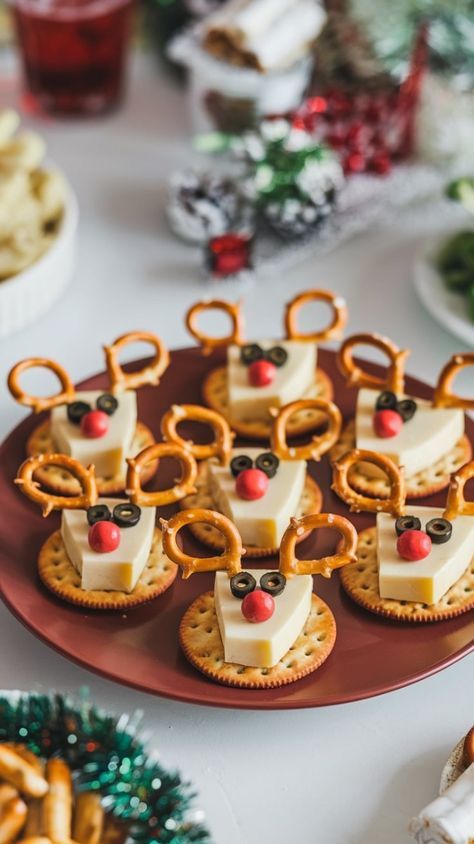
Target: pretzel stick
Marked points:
456	504
39	403
229	560
290	565
34	821
207	342
12	819
16	771
35	839
319	445
185	486
57	804
443	396
356	501
151	374
221	445
88	818
332	331
394	379
49	502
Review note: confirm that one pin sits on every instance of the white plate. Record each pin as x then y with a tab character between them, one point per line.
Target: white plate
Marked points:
448	309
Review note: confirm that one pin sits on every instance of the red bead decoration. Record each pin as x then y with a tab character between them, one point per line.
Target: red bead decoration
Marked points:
261	373
251	484
258	606
95	424
229	254
104	537
413	545
387	423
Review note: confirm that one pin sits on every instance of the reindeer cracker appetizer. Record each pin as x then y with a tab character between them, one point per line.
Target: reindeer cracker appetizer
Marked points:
258	629
92	426
108	552
426	438
417	563
266	374
258	490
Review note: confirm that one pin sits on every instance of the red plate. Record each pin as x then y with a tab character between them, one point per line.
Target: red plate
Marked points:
140	649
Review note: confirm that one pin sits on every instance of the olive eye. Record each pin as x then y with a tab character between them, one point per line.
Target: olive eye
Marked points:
126	515
250	353
240	463
107	403
76	410
273	582
407	409
404	523
242	583
439	530
268	463
98	513
386	401
277	355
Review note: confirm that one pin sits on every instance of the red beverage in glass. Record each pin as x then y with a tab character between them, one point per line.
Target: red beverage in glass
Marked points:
74	52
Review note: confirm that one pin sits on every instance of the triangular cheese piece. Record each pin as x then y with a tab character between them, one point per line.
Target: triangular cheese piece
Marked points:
261	645
292	381
262	522
107	453
429	579
422	441
118	570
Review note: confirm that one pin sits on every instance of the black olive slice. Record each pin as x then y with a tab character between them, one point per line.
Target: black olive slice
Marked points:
107	403
404	523
268	463
277	355
386	401
273	582
98	513
250	353
126	515
240	463
439	530
407	409
242	583
76	410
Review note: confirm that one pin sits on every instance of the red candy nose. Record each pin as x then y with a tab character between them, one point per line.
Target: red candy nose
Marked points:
261	373
251	484
95	424
258	606
104	537
387	423
413	545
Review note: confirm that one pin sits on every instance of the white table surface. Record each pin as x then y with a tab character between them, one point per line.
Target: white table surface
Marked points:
354	773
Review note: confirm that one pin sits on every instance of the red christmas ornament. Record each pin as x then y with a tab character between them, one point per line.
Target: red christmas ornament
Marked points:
258	606
251	484
387	423
104	537
413	545
228	254
261	373
95	424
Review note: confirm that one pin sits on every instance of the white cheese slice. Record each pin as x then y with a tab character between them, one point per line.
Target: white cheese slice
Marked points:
425	580
118	570
107	453
261	645
292	380
450	818
264	521
428	436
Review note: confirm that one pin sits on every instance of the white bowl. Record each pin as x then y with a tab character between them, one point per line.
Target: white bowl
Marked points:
28	295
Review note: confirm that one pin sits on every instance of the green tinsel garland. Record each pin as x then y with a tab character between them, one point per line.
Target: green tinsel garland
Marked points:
107	756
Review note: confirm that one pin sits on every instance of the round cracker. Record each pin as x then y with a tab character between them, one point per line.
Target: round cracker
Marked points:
201	642
59	575
57	480
361	582
423	483
214	393
310	502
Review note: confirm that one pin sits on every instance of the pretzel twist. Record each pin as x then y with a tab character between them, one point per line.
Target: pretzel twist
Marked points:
289	563
39	403
229	560
150	374
49	501
394	379
319	445
443	395
57	803
234	311
332	331
221	445
182	487
395	504
456	504
12	818
19	773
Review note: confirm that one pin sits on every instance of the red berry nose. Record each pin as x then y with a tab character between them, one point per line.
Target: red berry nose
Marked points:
387	423
251	484
95	424
413	545
104	537
258	606
261	373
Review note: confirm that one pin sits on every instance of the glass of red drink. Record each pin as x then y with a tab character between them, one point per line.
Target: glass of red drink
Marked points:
73	52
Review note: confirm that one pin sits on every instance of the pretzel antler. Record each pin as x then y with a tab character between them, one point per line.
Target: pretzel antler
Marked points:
456	504
150	374
319	445
395	504
443	396
229	560
332	331
234	311
49	502
158	498
220	447
39	403
289	563
356	377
